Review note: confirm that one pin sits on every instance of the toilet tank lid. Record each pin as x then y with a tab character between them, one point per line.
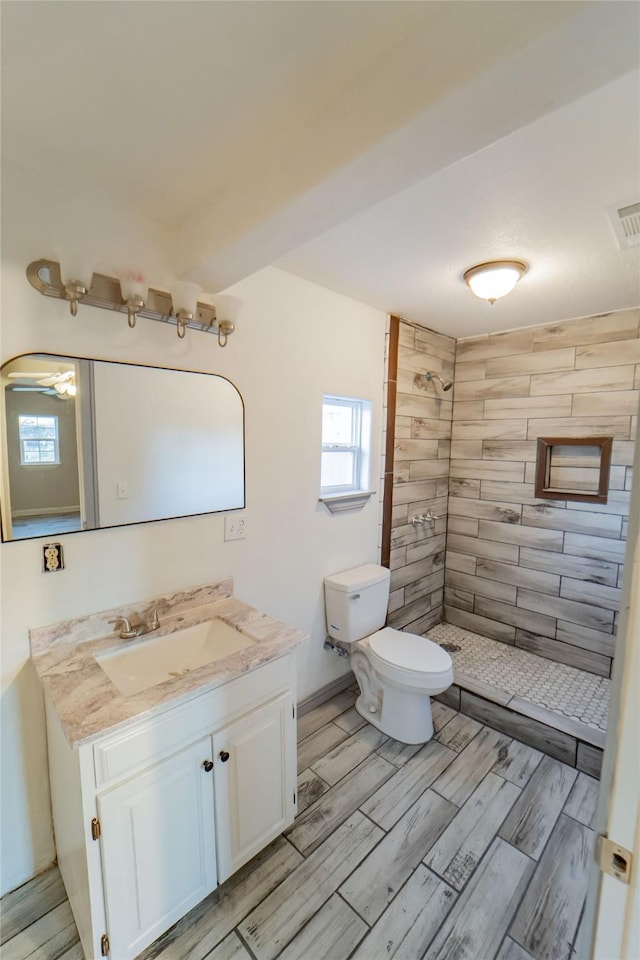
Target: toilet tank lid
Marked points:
357	578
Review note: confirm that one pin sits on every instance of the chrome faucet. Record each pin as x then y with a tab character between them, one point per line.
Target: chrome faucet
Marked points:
127	632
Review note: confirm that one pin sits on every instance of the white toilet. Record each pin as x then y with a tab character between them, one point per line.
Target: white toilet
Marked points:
397	672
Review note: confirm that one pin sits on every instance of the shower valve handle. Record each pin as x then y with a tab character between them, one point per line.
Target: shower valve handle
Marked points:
427	517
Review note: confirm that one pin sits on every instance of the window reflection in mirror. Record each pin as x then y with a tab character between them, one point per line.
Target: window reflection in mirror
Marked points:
91	443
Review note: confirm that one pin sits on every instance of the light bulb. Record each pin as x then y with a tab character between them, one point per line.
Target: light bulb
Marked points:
76	269
133	282
185	298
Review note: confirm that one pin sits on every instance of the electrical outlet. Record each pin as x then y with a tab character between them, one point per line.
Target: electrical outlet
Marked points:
52	557
122	490
234	528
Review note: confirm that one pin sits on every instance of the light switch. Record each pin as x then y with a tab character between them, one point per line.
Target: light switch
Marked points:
234	528
122	490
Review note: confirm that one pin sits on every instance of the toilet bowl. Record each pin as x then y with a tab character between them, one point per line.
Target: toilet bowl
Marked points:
397	672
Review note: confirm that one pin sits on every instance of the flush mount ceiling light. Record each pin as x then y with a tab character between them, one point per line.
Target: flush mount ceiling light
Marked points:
495	279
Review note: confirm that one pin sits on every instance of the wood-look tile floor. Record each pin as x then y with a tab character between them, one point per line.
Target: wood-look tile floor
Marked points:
46	526
472	847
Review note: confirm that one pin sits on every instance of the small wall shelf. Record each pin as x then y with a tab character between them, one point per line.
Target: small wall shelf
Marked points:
573	468
338	503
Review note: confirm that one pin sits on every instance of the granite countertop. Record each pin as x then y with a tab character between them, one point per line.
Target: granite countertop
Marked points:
89	705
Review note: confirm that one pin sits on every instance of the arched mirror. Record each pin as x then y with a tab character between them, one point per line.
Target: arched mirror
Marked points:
92	443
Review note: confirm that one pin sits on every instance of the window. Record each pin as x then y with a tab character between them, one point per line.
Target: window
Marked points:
38	439
346	439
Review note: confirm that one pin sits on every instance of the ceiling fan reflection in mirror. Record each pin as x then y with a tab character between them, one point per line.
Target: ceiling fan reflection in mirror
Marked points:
62	384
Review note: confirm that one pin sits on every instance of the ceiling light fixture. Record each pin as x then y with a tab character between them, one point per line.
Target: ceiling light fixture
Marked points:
66	388
494	279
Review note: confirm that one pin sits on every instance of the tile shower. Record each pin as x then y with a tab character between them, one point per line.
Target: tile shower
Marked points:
514	578
575	694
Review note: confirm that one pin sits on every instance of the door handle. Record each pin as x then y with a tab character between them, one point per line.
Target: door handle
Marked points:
224	756
207	766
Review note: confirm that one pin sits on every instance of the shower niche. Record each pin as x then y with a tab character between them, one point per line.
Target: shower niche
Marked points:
573	468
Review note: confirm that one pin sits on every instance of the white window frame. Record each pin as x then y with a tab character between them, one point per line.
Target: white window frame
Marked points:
56	440
356	494
354	447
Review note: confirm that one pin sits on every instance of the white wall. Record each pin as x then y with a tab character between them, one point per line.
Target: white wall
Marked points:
293	342
174	440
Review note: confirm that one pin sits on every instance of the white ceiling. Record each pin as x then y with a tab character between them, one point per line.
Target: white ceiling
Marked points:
377	148
539	195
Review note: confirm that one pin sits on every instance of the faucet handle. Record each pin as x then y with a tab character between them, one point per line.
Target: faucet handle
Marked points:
427	517
126	631
153	623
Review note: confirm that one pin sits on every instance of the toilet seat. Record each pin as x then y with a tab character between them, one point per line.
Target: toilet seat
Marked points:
408	659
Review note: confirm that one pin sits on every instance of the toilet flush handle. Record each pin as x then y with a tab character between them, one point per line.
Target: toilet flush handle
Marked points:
354	596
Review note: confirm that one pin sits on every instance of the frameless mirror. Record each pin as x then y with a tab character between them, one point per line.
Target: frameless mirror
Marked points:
92	443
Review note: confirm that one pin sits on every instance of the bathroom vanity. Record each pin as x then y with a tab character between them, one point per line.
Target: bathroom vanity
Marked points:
161	794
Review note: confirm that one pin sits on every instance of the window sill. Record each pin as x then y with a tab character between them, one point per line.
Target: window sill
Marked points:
339	502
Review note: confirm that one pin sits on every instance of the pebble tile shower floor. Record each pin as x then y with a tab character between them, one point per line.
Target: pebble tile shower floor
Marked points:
562	689
471	847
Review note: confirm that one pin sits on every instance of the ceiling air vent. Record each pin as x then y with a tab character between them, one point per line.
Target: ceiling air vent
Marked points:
626	225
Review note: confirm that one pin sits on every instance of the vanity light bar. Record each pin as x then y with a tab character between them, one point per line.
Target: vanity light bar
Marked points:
106	293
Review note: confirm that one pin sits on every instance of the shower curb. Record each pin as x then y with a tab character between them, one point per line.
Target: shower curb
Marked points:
579	748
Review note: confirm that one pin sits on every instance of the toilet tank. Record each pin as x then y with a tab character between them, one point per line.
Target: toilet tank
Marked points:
356	601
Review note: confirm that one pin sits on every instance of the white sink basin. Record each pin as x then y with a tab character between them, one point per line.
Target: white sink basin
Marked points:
148	662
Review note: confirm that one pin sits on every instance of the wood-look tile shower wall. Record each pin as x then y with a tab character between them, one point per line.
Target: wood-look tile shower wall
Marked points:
420	479
541	574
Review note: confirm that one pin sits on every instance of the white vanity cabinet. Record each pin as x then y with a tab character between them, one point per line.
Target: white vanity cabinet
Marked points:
158	848
253	786
148	820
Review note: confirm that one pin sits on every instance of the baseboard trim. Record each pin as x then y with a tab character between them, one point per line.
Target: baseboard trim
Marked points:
46	512
325	693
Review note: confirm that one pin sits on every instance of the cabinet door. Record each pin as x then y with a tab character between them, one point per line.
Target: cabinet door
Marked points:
255	777
158	848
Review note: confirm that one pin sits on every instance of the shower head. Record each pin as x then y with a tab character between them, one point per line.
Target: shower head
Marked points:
445	384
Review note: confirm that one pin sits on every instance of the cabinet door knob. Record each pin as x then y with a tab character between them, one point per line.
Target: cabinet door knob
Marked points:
208	766
224	756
